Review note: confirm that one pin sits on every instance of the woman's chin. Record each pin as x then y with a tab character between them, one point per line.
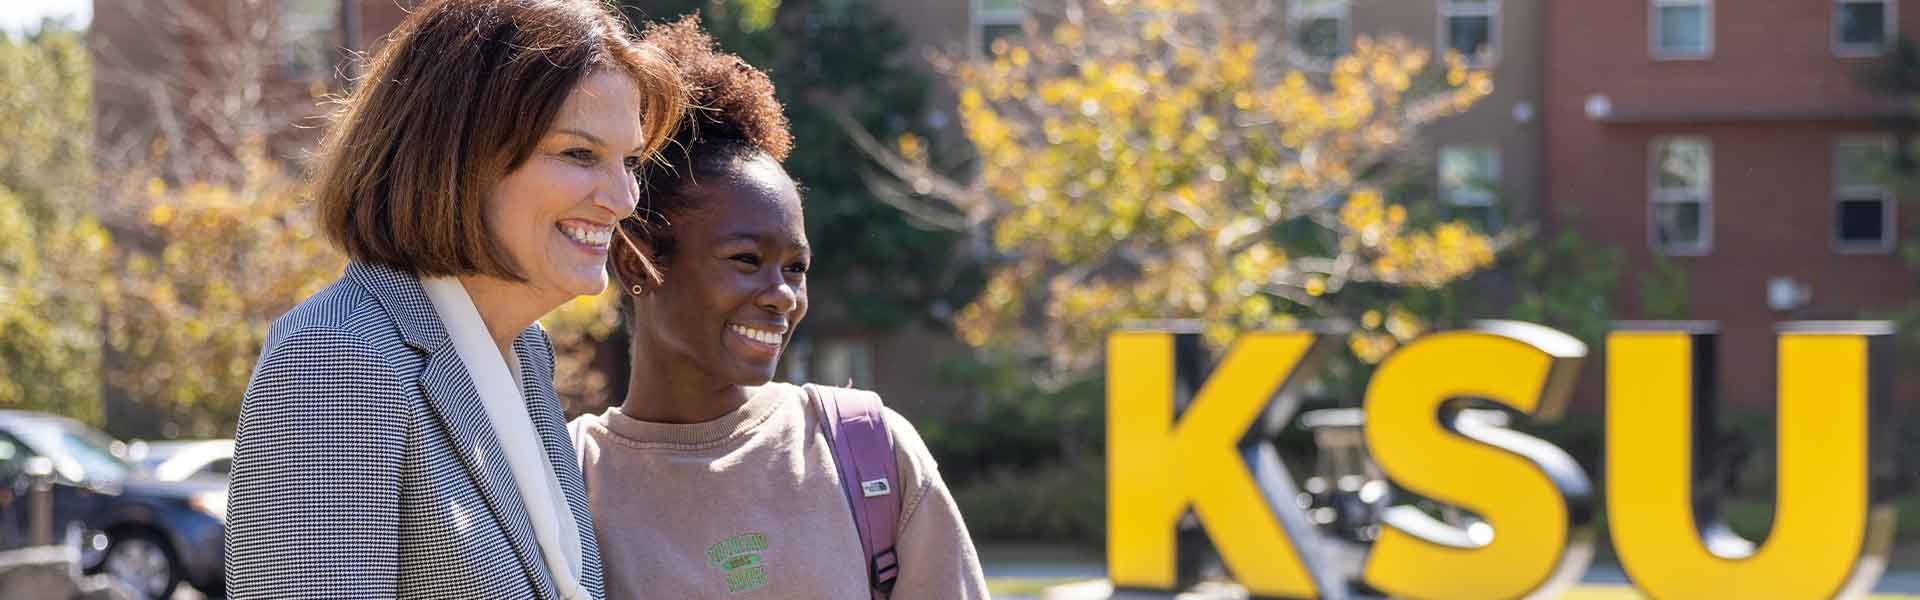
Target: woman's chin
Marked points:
585	284
751	377
592	290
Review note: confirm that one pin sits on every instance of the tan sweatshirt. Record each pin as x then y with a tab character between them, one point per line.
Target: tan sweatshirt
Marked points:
749	506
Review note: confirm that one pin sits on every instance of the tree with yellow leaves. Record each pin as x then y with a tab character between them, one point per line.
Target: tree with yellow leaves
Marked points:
1159	159
49	243
198	184
204	270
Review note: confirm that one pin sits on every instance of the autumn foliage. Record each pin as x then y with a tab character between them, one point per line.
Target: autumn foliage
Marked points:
1144	160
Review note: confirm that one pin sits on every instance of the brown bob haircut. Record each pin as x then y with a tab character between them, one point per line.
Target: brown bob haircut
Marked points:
458	97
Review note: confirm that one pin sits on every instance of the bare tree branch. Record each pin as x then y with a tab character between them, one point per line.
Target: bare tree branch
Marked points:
971	201
925	214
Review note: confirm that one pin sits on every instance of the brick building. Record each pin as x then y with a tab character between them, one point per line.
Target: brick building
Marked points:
1737	145
1732	140
1486	162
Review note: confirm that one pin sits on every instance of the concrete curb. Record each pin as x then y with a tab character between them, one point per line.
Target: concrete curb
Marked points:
49	572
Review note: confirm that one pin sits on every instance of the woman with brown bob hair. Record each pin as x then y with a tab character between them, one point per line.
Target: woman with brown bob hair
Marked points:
400	437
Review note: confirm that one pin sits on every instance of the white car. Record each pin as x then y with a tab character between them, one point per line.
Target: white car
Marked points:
185	459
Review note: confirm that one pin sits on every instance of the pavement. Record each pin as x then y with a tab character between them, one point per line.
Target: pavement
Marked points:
1072	573
1078	574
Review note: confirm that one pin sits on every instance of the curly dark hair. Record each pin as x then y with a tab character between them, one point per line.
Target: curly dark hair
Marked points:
733	115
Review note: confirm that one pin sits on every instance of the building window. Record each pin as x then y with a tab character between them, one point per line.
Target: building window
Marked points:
1863	217
1682	29
1472	28
1682	196
1469	180
995	20
830	361
1862	27
1319	30
308	48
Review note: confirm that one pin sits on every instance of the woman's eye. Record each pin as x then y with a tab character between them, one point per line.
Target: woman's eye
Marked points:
580	155
800	268
746	259
634	164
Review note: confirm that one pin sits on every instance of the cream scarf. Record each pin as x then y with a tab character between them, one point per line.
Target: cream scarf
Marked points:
553	523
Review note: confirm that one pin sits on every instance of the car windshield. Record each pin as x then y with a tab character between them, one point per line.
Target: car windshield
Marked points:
78	455
200	458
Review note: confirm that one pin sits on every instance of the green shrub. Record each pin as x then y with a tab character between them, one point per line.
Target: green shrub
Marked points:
1061	502
1018	424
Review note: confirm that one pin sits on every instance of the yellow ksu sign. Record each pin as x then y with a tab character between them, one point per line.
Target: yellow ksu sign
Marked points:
1830	534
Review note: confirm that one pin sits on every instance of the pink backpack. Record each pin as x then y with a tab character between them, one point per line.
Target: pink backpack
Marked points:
856	428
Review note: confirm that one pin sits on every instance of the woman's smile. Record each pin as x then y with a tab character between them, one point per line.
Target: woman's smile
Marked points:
592	238
760	341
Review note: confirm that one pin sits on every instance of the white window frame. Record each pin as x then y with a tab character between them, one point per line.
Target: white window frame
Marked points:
843	361
980	18
290	28
832	360
1472	199
1444	41
1657	196
1890	19
1653	30
1889	205
796	359
1344	14
1488	199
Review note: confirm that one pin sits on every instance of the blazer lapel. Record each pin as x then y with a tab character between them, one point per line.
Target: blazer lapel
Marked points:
450	390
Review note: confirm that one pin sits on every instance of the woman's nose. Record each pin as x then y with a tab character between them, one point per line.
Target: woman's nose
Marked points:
782	298
620	194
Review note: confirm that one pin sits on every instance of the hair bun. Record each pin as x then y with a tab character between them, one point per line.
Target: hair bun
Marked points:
731	100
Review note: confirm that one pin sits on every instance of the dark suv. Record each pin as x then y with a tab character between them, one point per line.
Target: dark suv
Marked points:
157	534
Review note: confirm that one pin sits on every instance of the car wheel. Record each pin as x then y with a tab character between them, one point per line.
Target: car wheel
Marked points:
142	560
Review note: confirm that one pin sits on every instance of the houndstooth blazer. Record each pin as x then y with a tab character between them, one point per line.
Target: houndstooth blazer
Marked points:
364	465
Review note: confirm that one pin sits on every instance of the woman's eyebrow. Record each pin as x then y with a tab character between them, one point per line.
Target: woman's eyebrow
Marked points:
751	238
763	237
595	140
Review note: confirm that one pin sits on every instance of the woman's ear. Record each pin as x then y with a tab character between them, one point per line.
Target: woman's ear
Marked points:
634	264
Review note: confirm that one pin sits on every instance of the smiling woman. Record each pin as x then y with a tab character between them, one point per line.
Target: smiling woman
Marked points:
709	453
474	178
553	216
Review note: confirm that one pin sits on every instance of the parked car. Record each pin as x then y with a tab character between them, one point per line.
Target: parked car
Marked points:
157	533
184	459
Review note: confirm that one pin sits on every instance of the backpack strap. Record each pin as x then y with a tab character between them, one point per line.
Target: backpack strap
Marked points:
856	428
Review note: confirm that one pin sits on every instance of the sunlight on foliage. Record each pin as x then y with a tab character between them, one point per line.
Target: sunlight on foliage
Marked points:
1159	159
51	270
209	269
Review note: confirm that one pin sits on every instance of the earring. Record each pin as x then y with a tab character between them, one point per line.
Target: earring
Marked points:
638	290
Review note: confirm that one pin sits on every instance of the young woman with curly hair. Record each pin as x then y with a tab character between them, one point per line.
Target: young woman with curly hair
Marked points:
712	481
